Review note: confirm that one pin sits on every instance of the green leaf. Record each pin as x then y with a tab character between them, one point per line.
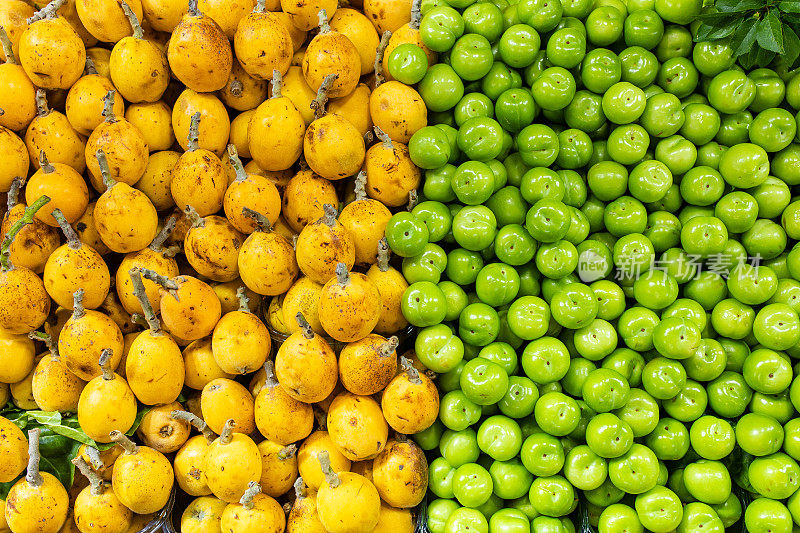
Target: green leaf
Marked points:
791	45
789	6
770	33
744	37
748	5
5	487
136	423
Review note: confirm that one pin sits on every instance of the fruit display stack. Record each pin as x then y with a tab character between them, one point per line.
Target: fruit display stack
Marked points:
201	315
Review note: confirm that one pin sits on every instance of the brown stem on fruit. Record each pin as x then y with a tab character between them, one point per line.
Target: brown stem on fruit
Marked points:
198	423
45	164
47	12
69	232
388	348
261	6
288	452
78	310
253	488
158	242
299	488
105	364
194	217
270	381
90	68
13	193
277	84
34	478
305	327
193	139
233	155
108	107
8	50
413	199
27	218
164	281
262	222
384	138
47	339
236	89
42	109
360	186
94	457
342	275
227	431
95	480
379	76
127	444
384	253
147	308
138	33
193	9
416	14
329	216
105	170
411	372
318	104
368	137
244	301
325	465
324	27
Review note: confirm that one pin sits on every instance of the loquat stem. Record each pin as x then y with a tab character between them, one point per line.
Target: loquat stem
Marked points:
108	107
324	27
147	308
384	253
192	139
105	360
13	193
253	488
262	222
227	431
277	83
261	6
269	370
69	232
164	281
379	76
33	477
47	339
8	50
42	109
27	218
388	348
195	421
413	199
416	14
305	327
360	186
77	304
95	480
133	19
94	457
288	452
48	11
318	104
384	138
236	88
159	240
90	68
233	155
368	137
47	168
411	372
105	171
193	9
194	217
329	218
325	465
127	444
342	275
244	301
299	488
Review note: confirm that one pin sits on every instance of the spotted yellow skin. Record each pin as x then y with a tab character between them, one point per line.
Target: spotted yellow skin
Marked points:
350	418
41	509
189	464
139	70
304	198
83	339
31	302
126	152
98	415
266	516
270	150
52	54
103	511
229	467
281	418
302	297
267	263
306	368
53	134
223	399
240	342
351	507
84	107
105	20
263	44
17	97
212	248
308	458
127	480
349	312
278	473
410	407
199	180
125	218
398	110
13	450
200	54
333	147
400	473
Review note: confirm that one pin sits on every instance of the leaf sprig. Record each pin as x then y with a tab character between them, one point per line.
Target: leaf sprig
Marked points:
758	31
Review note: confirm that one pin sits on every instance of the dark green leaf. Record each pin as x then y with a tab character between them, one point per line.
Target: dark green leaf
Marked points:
5	487
136	423
770	33
789	6
748	5
61	466
791	45
728	6
744	37
721	33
